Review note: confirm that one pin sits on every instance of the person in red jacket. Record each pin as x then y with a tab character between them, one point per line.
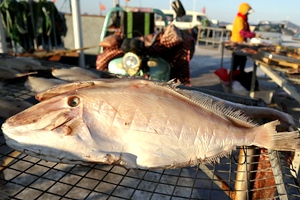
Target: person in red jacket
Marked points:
240	33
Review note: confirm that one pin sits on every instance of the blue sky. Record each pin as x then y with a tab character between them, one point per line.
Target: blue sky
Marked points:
222	10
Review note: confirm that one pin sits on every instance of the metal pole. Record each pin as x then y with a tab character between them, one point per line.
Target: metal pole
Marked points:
194	5
33	24
222	54
3	45
100	7
54	30
78	41
116	2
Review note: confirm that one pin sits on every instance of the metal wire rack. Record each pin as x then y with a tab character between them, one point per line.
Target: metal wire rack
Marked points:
247	173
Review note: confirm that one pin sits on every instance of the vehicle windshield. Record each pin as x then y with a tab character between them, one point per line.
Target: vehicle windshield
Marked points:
273	28
200	18
186	18
159	18
169	17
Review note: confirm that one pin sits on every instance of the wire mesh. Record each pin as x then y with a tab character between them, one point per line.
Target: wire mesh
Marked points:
247	172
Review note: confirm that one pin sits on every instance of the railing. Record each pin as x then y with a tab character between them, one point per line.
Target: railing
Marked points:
212	35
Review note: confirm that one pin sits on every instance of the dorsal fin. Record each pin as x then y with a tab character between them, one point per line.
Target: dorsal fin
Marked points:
236	116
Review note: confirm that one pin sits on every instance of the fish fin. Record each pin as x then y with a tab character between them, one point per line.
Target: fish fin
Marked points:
26	74
190	163
234	115
208	160
216	158
280	141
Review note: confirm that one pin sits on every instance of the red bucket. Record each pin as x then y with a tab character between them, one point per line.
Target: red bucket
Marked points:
222	73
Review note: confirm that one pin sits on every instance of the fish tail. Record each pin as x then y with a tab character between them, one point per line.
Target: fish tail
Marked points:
280	141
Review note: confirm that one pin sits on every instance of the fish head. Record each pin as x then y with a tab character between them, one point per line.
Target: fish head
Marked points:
73	123
52	130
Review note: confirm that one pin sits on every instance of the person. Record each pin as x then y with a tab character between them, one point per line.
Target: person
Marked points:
205	23
240	33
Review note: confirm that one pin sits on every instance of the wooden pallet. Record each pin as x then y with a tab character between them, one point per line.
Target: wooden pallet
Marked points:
273	61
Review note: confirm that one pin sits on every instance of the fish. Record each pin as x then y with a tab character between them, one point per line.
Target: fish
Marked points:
38	84
136	123
74	74
10	106
7	73
22	64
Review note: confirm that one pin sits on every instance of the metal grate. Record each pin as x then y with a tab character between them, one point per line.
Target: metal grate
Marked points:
26	177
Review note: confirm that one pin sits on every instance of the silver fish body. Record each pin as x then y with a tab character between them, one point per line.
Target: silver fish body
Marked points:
22	64
135	124
38	84
8	73
74	74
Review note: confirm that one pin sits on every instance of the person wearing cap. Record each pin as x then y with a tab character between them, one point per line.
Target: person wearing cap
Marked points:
240	33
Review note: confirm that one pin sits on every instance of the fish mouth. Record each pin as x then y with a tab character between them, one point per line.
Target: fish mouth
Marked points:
46	115
42	143
61	120
47	122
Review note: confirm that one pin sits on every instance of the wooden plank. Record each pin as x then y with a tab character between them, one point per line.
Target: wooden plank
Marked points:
284	84
266	60
271	61
288	64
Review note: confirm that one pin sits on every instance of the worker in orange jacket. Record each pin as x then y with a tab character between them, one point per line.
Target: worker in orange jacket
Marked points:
240	33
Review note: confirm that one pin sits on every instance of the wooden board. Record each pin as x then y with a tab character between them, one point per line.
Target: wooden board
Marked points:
283	63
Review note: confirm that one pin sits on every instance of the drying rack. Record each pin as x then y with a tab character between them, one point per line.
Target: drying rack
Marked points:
266	172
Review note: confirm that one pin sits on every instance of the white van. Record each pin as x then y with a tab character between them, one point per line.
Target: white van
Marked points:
190	20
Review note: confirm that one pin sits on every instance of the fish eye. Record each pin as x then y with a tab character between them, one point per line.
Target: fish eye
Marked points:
73	101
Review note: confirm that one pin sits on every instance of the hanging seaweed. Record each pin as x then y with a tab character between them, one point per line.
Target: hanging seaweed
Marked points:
34	25
11	19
